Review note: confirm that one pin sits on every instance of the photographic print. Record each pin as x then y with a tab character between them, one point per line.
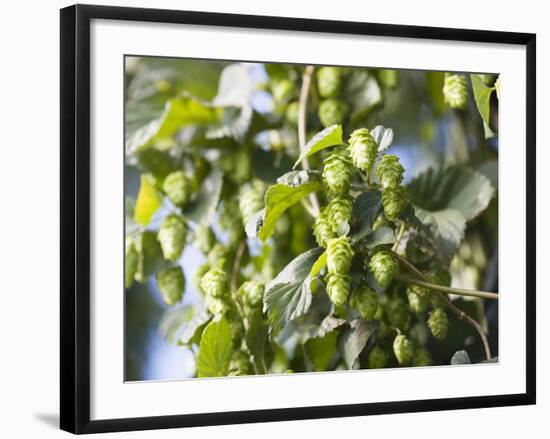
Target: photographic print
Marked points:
285	218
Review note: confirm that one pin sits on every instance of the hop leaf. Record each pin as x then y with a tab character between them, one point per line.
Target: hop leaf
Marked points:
377	358
339	255
383	267
438	323
172	236
390	172
329	80
204	238
337	172
171	284
251	200
215	283
365	301
455	93
418	298
332	111
403	349
394	200
422	358
339	211
388	78
178	187
363	149
252	293
322	229
338	286
130	262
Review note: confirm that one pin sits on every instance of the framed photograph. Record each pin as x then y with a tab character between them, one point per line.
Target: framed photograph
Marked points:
268	219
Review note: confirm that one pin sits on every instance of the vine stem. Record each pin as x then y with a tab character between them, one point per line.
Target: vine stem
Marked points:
448	290
454	309
302	112
399	236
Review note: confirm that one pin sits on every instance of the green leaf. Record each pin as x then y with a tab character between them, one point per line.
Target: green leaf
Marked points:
366	208
460	357
288	296
235	123
354	339
381	236
236	86
321	350
292	188
330	136
148	200
268	165
172	320
490	170
256	339
363	93
191	331
320	263
201	209
447	226
482	96
329	324
215	349
383	137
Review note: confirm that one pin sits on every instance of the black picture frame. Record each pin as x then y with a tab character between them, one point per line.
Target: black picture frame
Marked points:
75	217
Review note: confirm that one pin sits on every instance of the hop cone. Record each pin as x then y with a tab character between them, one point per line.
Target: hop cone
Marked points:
338	286
418	298
363	149
322	229
240	364
339	211
252	293
365	301
292	112
377	358
394	200
204	238
438	323
178	187
329	80
332	111
339	255
171	284
283	90
383	267
390	172
130	262
388	78
403	349
172	235
217	306
148	252
201	271
251	200
454	91
217	255
398	315
422	359
230	219
337	172
215	283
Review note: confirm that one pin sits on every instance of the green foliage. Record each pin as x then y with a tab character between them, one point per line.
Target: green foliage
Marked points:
215	350
148	200
171	283
330	136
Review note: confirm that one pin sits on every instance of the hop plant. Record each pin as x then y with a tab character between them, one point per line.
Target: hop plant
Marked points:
418	298
240	364
338	286
171	284
390	172
252	293
204	238
339	211
397	312
178	187
383	267
230	219
337	171
251	200
199	273
215	283
394	200
217	306
130	262
438	323
329	81
218	255
339	255
322	229
363	149
455	93
389	78
422	358
292	112
172	235
403	349
283	90
332	111
365	301
377	358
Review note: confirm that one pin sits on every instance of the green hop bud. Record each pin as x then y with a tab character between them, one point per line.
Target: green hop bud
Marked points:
383	267
218	255
149	252
130	262
422	358
377	358
389	78
240	364
283	90
292	112
332	111
215	283
363	149
230	219
418	298
322	229
172	235
403	349
438	323
455	93
339	211
178	187
201	271
390	172
397	312
171	284
394	200
338	286
329	80
204	238
251	200
252	293
365	301
337	171
339	255
217	306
